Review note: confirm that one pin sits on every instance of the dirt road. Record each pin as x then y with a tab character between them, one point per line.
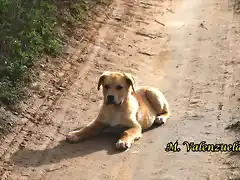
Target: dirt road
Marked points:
186	48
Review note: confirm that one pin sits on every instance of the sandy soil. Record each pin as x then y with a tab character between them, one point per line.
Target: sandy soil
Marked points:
187	48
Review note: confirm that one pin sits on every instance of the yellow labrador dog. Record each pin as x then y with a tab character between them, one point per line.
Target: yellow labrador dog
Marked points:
123	104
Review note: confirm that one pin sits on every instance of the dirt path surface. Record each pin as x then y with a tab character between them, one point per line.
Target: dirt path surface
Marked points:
187	48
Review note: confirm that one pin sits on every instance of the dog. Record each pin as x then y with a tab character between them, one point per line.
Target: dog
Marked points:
135	109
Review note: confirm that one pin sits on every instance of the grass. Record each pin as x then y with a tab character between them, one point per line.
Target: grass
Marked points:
28	30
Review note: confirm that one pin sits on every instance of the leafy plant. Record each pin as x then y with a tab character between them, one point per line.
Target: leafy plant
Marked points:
27	30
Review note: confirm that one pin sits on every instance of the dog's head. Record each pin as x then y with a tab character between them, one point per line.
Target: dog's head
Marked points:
116	86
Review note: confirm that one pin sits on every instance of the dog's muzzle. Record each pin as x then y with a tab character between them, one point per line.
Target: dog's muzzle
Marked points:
110	100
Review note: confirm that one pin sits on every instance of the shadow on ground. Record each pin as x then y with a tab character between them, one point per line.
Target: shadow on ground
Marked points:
65	150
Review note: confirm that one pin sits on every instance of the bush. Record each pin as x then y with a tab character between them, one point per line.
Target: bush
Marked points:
27	30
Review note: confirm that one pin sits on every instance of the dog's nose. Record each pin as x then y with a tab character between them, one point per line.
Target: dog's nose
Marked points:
110	99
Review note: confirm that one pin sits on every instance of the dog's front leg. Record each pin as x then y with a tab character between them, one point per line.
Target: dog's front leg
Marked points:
129	136
86	132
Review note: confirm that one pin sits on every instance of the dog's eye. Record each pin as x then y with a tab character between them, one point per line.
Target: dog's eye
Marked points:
106	86
119	87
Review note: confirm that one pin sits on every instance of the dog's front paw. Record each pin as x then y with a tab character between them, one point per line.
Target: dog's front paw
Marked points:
72	137
123	145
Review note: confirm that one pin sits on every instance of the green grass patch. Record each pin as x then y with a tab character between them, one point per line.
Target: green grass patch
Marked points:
29	29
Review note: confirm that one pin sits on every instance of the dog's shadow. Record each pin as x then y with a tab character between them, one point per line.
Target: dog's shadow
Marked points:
65	150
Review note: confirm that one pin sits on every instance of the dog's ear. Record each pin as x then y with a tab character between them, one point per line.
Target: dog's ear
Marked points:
130	80
101	79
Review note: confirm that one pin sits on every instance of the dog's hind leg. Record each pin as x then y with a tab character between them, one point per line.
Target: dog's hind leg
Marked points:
162	118
159	104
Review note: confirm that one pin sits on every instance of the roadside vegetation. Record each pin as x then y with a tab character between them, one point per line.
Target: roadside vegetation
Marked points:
28	30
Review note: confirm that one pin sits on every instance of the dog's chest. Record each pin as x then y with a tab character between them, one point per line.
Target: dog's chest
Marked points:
115	120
